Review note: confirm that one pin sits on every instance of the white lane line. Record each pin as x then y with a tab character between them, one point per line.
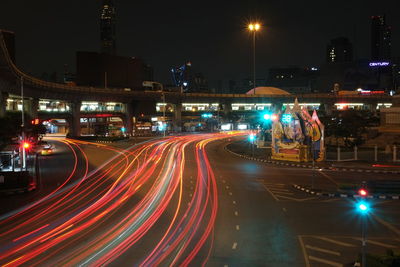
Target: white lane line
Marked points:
227	187
272	194
237	227
303	249
388	225
331	263
323	250
234	246
230	193
334	241
234	202
377	243
275	185
236	213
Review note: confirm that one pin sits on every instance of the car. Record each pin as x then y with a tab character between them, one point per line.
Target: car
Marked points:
44	148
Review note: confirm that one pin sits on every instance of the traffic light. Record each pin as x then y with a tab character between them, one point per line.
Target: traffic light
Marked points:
274	117
363	191
363	207
267	116
26	145
252	137
123	129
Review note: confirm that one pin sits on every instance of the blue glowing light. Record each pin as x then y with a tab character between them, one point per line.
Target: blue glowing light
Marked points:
363	207
267	116
252	137
123	129
287	118
206	115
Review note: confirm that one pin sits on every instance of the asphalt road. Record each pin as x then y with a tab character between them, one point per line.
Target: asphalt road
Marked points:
184	201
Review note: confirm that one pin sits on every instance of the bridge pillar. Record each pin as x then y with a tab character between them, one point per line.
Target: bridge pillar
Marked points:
328	108
276	107
177	119
75	126
128	118
32	107
3	104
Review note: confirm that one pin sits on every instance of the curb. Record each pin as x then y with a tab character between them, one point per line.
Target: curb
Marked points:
341	195
310	166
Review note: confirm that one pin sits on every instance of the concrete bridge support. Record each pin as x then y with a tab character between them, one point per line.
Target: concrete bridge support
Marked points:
32	107
75	122
177	119
3	104
128	118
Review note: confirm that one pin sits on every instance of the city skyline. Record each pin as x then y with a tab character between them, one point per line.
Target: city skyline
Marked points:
175	32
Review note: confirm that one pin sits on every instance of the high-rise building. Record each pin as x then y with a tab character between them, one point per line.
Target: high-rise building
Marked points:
380	39
107	27
339	50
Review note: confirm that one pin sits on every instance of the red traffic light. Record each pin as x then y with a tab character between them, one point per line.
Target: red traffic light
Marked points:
26	145
363	192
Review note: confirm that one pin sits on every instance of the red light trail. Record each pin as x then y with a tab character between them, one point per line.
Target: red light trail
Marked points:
137	196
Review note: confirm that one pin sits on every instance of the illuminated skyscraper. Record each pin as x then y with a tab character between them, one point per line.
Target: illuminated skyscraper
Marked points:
339	50
380	39
107	27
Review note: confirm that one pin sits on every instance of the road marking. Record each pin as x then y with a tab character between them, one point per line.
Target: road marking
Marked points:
323	250
296	199
237	227
303	249
376	243
272	194
388	225
236	213
328	177
234	202
234	245
190	194
285	193
331	200
279	190
230	193
227	187
273	184
223	181
334	241
226	265
284	209
331	263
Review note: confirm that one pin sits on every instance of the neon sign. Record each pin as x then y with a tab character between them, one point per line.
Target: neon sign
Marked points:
286	118
379	64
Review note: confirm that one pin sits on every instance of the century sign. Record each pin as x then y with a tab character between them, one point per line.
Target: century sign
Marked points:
379	64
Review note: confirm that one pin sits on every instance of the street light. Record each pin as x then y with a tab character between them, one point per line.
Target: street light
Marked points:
254	27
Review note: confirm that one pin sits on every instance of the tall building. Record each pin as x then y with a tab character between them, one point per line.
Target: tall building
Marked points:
339	50
380	39
107	27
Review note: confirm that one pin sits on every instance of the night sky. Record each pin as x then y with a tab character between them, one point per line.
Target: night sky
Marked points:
210	34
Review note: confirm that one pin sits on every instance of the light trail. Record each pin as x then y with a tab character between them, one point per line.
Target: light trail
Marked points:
136	197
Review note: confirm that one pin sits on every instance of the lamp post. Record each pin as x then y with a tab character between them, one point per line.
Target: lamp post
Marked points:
254	28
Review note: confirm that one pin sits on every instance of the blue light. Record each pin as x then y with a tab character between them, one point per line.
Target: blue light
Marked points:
363	207
206	115
252	137
267	116
287	118
123	129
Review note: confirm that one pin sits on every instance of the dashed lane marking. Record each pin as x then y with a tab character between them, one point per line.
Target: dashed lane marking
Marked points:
331	263
230	193
237	227
328	177
234	246
323	250
234	202
334	241
236	213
